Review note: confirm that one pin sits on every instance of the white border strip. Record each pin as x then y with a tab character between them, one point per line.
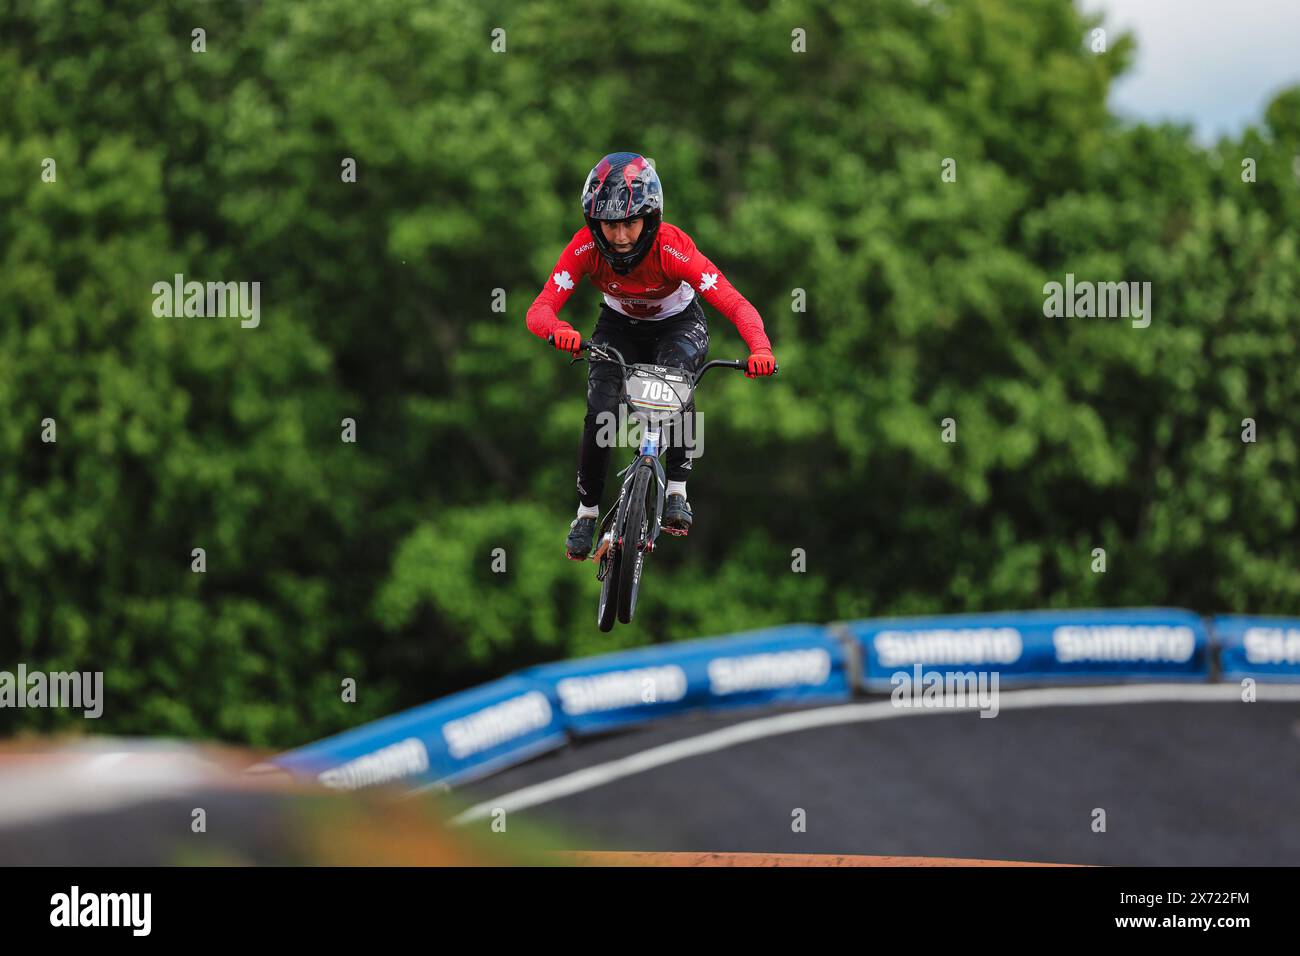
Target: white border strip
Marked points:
713	741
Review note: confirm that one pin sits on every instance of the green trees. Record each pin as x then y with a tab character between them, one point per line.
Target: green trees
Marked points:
817	171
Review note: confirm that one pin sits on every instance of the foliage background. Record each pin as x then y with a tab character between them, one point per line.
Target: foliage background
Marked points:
818	171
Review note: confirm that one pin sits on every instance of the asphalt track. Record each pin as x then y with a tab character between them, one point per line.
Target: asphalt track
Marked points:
1182	782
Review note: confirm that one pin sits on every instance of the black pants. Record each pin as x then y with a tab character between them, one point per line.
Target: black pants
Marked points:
681	341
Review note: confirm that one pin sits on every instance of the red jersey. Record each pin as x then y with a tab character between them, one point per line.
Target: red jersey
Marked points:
662	285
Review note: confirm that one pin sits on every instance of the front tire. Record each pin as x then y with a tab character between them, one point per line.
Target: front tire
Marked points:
636	532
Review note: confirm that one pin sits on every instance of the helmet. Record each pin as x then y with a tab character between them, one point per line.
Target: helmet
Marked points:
623	186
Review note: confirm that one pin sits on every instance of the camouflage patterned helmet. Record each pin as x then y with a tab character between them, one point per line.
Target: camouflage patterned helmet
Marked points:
623	186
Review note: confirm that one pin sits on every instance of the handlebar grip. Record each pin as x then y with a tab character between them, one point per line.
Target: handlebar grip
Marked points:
584	346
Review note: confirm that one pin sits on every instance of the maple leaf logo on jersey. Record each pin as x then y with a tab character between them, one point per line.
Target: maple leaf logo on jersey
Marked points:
708	280
563	279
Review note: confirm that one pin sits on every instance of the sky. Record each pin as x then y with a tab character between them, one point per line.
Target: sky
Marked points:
1214	63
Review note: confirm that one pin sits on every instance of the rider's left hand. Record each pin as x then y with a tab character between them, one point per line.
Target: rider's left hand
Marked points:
761	362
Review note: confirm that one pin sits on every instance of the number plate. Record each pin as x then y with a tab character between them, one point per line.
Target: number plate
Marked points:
655	389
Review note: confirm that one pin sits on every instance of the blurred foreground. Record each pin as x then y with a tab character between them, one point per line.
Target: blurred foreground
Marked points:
122	802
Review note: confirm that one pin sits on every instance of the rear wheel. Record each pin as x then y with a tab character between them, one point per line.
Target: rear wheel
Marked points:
608	589
636	532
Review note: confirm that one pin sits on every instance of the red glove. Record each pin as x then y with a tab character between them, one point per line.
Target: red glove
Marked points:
761	362
567	339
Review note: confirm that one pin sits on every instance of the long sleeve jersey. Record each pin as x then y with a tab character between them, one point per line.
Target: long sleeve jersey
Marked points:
661	285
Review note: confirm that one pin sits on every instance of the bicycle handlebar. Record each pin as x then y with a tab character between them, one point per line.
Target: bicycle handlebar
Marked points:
738	364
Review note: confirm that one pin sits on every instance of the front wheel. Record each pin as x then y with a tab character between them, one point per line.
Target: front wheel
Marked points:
636	533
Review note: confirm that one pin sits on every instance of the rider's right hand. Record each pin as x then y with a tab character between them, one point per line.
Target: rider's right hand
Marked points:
567	339
761	362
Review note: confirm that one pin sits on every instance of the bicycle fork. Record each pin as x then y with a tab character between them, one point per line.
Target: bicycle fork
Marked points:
614	531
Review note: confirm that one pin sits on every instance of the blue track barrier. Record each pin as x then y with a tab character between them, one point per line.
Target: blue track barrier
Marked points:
1038	646
1265	648
479	731
450	741
793	664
